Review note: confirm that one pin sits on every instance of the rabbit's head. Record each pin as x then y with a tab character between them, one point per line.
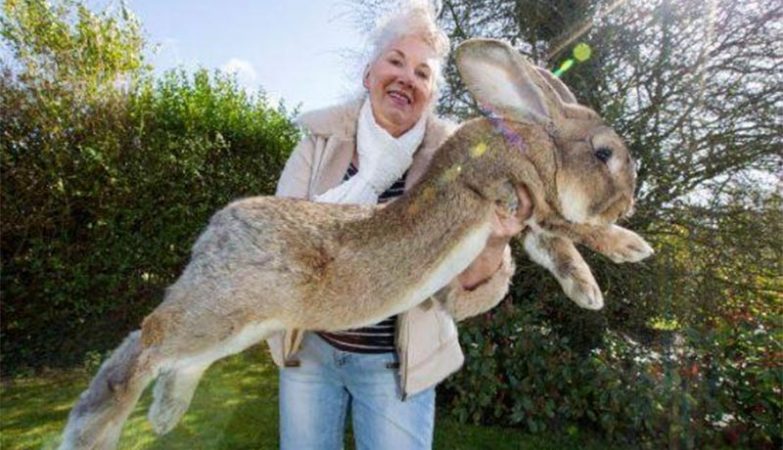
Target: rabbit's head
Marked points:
586	172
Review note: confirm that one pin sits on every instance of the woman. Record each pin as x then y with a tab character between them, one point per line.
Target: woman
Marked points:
370	151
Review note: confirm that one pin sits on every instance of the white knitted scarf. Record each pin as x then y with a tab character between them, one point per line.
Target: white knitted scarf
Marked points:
371	136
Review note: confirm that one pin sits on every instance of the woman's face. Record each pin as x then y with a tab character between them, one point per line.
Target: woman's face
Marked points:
400	82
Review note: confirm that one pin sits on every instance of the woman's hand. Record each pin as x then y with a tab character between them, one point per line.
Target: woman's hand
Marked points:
505	225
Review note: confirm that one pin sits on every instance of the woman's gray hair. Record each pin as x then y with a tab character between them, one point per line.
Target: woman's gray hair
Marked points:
414	18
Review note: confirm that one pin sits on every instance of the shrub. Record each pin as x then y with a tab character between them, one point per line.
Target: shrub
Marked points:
675	383
103	196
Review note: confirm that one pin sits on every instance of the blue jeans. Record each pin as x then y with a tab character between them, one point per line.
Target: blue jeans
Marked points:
316	396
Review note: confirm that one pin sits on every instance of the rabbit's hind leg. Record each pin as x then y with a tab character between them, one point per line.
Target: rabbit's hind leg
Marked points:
172	395
175	387
97	419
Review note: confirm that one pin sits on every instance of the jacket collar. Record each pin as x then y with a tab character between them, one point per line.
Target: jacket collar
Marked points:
333	121
339	122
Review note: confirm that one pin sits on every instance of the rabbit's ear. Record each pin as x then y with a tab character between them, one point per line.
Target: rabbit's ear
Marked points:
565	94
502	79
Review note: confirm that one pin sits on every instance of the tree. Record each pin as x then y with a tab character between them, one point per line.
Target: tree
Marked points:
64	45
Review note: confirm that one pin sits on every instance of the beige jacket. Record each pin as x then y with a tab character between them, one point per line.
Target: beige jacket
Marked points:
426	339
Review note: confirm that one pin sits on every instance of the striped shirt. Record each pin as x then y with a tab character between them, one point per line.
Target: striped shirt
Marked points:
377	338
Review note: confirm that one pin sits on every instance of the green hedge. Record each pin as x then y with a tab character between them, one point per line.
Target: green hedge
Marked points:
103	195
539	363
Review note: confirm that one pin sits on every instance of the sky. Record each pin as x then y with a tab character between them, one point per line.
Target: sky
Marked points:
303	51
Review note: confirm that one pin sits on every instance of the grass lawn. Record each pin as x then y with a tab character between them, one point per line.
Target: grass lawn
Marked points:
235	407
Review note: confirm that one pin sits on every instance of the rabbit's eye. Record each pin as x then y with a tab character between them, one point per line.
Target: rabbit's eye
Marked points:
603	154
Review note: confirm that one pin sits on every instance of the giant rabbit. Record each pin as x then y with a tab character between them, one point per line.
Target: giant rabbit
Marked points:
266	264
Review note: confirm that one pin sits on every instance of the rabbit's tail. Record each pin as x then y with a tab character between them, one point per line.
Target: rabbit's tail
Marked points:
172	395
97	419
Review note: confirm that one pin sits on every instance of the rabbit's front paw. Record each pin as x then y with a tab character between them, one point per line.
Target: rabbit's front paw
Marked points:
572	272
622	245
583	289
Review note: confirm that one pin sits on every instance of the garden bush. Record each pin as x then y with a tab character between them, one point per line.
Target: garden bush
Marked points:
99	217
707	381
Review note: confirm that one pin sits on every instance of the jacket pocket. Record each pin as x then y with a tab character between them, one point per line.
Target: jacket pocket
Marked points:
447	330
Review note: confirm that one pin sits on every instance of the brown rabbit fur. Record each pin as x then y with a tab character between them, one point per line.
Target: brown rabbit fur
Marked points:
267	264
